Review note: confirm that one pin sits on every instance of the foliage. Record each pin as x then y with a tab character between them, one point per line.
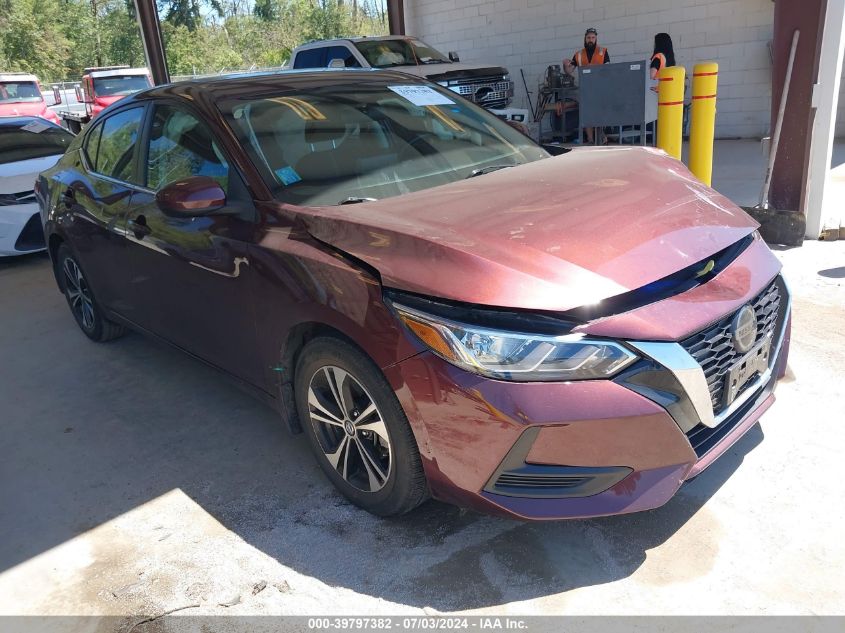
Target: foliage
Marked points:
56	39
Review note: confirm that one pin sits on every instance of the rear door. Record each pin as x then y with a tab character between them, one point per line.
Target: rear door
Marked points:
98	196
192	275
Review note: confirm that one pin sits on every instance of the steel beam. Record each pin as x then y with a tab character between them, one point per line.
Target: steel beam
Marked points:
789	176
150	27
395	16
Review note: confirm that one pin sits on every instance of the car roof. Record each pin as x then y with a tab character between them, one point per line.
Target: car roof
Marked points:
364	38
20	121
17	77
246	84
120	71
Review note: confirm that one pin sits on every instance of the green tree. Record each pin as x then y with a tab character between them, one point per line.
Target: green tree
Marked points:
56	39
188	13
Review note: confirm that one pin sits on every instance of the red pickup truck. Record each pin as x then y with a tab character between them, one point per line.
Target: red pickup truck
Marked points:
101	87
20	95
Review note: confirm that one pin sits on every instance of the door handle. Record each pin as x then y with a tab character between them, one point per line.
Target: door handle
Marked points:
67	198
139	227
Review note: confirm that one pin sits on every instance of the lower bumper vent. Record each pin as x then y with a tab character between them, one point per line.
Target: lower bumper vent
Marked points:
32	235
516	478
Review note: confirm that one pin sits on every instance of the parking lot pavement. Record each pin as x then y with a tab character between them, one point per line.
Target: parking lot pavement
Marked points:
134	480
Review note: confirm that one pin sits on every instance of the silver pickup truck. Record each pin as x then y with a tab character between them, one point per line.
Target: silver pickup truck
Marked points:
489	86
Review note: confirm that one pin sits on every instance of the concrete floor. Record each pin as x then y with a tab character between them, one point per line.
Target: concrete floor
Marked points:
134	480
739	167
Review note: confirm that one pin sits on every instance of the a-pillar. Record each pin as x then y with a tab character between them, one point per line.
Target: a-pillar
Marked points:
153	43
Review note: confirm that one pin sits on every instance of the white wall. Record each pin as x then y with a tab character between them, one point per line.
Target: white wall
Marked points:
531	34
840	115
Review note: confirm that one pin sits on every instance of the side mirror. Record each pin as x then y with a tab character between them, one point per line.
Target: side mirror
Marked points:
79	96
57	95
453	56
555	150
191	197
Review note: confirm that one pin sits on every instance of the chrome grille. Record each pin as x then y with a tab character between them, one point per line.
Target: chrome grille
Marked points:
714	350
489	80
496	93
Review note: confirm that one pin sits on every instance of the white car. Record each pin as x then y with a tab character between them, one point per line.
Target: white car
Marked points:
28	146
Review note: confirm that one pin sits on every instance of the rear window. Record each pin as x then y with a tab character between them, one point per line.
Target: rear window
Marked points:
116	151
37	140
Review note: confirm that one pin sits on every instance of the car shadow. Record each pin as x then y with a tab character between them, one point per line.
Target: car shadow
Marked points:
92	431
833	273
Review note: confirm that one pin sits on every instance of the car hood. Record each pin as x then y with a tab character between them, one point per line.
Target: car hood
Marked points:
554	234
452	70
37	108
20	176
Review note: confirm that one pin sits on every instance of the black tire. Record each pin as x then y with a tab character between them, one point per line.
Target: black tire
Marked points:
404	487
80	298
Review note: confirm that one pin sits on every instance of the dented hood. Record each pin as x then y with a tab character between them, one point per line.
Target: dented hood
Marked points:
555	234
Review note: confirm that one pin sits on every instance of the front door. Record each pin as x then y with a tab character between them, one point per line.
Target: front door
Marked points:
192	275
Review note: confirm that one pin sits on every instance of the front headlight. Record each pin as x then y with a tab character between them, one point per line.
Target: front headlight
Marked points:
516	356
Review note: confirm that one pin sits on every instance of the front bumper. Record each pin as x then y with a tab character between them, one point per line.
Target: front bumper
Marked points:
21	230
577	449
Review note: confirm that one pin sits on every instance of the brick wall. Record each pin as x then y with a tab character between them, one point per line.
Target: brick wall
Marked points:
531	34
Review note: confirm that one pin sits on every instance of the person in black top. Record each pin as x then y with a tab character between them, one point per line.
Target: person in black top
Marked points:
663	55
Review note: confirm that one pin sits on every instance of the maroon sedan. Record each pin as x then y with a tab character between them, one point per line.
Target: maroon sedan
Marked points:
444	307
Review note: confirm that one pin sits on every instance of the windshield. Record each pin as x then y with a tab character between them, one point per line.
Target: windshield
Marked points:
34	139
120	85
387	53
346	142
20	92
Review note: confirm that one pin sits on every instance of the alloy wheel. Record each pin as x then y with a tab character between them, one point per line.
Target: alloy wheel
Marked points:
78	294
350	429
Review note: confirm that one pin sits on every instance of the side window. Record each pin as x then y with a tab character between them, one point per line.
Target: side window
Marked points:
182	146
117	145
341	52
92	144
312	58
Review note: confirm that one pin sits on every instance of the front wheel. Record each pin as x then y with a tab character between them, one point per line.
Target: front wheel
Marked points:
357	428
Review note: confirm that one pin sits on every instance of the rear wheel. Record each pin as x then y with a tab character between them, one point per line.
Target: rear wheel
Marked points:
357	428
81	300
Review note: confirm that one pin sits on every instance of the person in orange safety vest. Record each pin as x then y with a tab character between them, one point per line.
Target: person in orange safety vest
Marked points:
591	55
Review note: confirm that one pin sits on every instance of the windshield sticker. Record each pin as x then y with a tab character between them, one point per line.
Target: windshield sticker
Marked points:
36	127
288	175
422	95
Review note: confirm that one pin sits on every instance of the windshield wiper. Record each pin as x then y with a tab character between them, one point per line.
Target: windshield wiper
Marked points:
488	169
356	200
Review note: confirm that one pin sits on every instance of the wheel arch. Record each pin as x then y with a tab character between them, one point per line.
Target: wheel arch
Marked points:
53	243
297	338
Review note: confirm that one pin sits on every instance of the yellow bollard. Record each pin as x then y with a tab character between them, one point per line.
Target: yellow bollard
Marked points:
705	78
670	110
